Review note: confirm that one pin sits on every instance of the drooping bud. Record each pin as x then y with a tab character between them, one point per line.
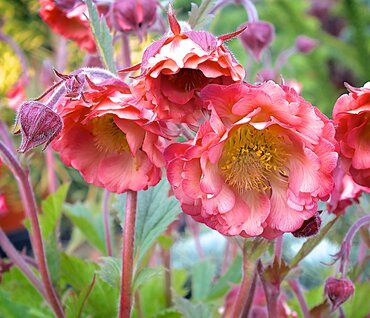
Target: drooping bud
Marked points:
305	45
309	227
38	125
338	290
134	15
257	37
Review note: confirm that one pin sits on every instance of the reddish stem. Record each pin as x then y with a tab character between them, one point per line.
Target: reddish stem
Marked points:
50	163
246	287
279	248
30	207
108	240
128	255
294	284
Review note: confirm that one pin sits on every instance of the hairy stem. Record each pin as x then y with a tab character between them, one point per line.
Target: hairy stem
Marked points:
30	207
108	240
128	255
294	284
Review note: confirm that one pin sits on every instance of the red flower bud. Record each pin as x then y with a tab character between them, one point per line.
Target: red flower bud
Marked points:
257	37
309	227
39	125
338	290
305	44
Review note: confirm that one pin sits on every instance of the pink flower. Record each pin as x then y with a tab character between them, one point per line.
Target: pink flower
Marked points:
134	15
345	193
351	114
259	165
17	94
257	37
110	140
175	68
305	45
69	20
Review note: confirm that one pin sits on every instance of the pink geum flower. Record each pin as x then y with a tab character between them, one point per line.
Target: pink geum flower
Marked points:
259	165
351	115
257	37
68	18
134	15
346	192
109	139
175	68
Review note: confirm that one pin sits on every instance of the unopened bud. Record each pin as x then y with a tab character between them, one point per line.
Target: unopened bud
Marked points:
257	37
338	290
38	123
305	44
309	227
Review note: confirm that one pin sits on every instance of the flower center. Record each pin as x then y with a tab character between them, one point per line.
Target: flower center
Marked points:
188	79
107	135
250	157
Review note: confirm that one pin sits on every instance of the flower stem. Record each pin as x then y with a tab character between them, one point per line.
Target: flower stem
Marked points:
246	286
30	208
347	242
50	163
18	260
279	248
126	52
108	240
128	255
294	284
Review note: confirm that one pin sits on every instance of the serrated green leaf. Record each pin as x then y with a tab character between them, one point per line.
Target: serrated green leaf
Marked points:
11	309
102	36
89	223
21	293
52	210
110	271
190	310
202	276
146	274
197	15
232	276
79	274
155	211
311	243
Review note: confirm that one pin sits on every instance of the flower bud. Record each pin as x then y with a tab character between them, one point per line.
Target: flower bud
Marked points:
338	290
39	125
309	227
257	37
305	45
134	15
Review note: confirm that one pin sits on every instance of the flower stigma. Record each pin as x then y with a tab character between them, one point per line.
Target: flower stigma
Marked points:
250	157
108	137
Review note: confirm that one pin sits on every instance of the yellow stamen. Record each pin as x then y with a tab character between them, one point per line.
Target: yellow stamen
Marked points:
250	157
107	136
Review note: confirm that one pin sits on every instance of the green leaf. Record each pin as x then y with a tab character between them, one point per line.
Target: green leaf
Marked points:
155	211
102	36
358	305
21	296
202	275
11	309
146	274
52	210
89	223
197	15
165	241
53	258
311	243
79	275
232	276
168	313
110	271
190	310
